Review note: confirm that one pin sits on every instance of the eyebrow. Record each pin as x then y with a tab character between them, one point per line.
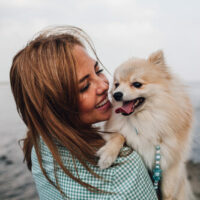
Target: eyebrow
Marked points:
87	76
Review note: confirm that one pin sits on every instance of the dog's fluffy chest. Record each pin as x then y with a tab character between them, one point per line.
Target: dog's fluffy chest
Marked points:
143	136
140	139
143	132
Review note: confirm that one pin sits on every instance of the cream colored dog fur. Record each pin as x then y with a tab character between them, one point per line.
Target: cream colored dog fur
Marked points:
164	119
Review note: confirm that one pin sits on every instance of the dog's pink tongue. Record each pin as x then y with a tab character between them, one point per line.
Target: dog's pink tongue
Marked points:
127	108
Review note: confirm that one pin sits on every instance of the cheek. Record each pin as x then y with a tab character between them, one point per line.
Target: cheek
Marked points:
104	79
86	103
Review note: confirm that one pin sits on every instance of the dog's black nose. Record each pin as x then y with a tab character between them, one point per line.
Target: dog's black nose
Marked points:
118	96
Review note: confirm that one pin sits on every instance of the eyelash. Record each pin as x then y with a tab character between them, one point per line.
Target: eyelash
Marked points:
99	71
87	86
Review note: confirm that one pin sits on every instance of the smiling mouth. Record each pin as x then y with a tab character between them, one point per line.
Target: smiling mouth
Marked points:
129	107
102	103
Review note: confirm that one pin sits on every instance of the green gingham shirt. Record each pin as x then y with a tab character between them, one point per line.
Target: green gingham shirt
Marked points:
129	180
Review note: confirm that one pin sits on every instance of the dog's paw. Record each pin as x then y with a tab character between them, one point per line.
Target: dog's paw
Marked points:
107	157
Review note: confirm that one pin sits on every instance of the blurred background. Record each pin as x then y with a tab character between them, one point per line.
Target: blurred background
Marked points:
120	29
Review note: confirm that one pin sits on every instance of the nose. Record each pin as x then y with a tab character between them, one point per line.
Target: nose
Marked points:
118	96
103	86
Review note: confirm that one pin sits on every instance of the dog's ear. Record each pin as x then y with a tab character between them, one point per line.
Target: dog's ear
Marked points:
157	58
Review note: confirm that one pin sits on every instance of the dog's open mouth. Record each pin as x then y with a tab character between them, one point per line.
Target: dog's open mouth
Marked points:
130	106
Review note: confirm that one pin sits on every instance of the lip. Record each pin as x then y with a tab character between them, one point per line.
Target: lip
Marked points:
102	99
106	106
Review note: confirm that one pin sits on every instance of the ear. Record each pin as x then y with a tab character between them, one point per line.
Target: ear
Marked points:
157	58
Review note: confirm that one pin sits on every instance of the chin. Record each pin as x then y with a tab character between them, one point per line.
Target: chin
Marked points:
155	112
105	117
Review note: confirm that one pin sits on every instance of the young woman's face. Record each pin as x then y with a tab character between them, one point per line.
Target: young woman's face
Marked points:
94	105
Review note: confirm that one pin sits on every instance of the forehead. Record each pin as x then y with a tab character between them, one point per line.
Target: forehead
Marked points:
84	62
80	54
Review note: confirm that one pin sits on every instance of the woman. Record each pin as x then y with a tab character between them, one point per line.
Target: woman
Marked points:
60	93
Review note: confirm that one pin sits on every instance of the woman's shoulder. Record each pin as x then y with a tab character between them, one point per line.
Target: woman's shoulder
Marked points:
127	155
127	178
126	158
127	162
131	177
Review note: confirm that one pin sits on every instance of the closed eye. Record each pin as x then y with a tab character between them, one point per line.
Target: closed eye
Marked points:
84	88
96	67
99	71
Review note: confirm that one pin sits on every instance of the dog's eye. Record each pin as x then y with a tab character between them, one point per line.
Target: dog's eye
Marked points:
137	84
116	85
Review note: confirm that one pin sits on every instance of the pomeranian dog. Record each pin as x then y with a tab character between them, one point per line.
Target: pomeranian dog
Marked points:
151	108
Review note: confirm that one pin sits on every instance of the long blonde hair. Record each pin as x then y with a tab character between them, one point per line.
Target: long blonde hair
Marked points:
44	84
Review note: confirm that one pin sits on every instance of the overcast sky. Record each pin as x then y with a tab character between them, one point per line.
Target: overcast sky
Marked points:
120	29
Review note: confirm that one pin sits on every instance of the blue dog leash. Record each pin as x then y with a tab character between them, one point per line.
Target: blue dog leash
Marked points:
157	172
